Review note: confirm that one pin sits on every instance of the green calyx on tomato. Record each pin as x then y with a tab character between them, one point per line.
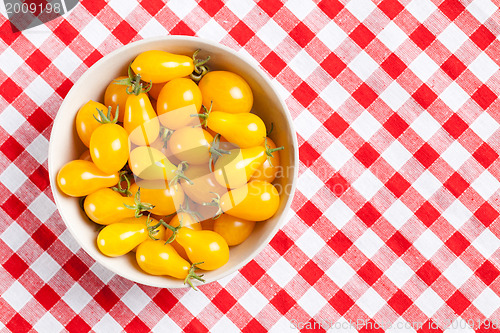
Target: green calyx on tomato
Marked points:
192	275
133	83
200	69
216	152
139	206
270	151
165	134
204	115
179	174
194	216
152	229
173	229
215	145
216	203
106	119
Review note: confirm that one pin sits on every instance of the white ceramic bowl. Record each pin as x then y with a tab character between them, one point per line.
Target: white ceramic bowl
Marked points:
66	146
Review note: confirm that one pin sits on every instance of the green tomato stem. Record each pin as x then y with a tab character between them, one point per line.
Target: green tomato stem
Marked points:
216	203
217	151
179	174
119	189
200	69
106	119
192	275
152	230
139	206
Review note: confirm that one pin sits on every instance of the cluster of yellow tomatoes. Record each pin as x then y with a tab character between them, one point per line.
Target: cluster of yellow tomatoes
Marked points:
177	169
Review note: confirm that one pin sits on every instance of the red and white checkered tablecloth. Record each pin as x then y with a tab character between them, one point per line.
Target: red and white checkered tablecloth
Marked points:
395	222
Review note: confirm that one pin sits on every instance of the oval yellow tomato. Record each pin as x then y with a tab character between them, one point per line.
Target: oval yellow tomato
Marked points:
106	206
203	184
234	230
235	169
227	91
85	121
157	233
165	199
191	144
160	66
116	97
158	258
140	120
120	238
109	147
149	163
205	247
178	100
79	178
242	129
255	201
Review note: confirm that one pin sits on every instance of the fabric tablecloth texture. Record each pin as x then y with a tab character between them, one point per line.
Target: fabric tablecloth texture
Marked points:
395	223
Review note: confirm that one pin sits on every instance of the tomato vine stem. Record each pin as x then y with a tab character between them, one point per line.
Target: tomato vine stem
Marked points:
119	188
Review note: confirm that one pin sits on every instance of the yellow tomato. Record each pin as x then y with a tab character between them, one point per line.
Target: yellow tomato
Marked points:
158	258
165	199
203	184
255	201
191	144
205	247
235	169
106	206
242	129
271	166
85	121
120	238
140	120
178	100
148	221
160	66
149	163
116	96
233	229
227	91
79	178
109	147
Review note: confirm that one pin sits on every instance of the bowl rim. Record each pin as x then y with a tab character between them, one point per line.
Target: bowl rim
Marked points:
289	119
